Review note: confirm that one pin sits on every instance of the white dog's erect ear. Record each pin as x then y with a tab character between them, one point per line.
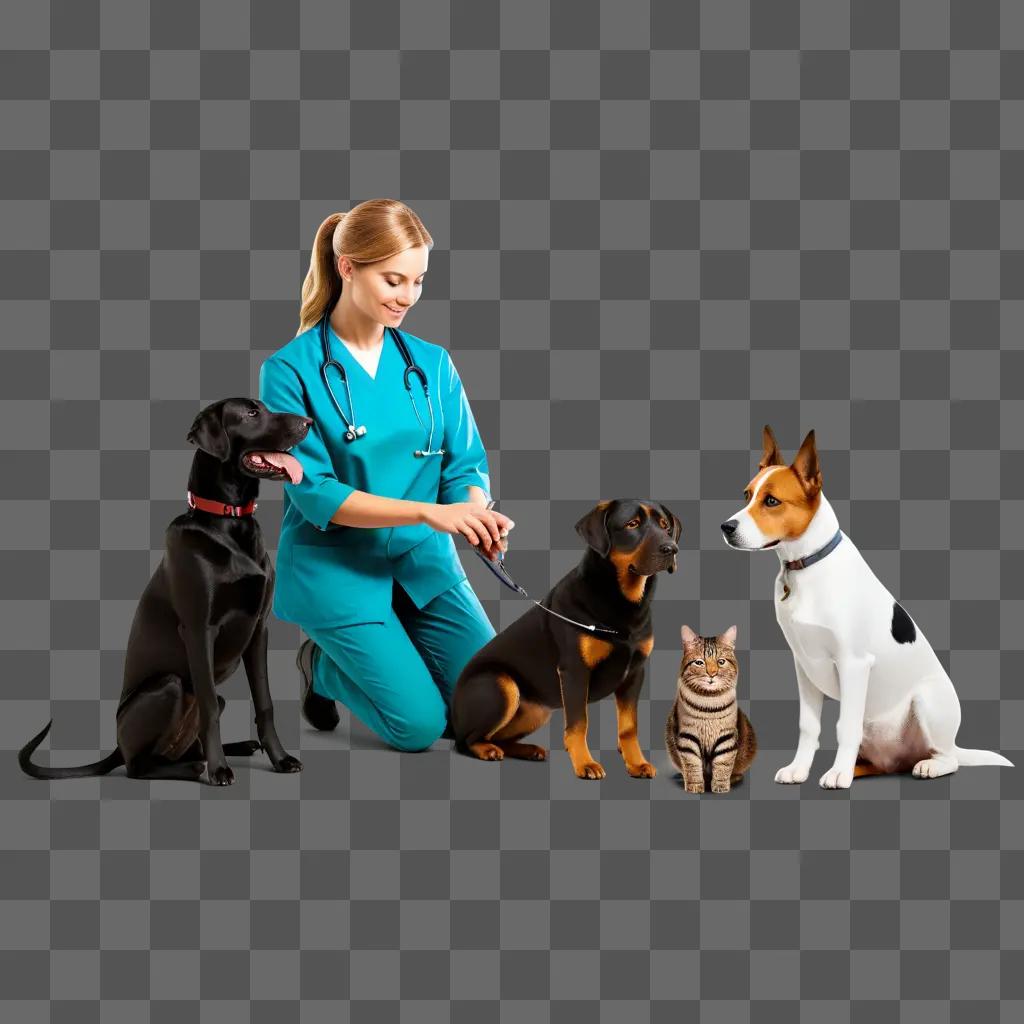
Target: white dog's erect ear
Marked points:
593	528
771	455
729	636
805	465
207	432
688	634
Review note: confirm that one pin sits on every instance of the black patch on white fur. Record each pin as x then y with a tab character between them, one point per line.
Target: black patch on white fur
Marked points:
903	631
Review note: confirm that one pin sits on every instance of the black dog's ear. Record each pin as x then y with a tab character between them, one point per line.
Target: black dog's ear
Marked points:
677	526
593	528
207	432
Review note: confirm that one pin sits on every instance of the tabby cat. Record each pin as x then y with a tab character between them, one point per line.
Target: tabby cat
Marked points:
708	737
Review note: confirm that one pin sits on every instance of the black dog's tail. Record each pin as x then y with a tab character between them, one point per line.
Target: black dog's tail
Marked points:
108	764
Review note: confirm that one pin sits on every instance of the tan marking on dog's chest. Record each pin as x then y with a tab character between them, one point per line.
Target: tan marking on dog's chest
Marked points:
593	651
631	585
646	645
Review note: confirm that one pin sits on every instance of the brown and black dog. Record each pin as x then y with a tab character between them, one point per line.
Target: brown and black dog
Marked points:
541	662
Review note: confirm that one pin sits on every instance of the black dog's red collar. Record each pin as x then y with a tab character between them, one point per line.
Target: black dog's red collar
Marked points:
220	508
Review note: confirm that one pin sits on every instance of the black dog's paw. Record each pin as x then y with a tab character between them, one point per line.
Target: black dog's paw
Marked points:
287	764
222	776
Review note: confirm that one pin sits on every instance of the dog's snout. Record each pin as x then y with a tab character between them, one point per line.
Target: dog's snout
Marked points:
729	527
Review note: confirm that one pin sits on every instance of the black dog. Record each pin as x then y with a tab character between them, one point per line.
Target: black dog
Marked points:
511	685
204	609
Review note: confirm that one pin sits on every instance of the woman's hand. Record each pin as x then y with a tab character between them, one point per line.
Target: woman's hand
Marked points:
482	527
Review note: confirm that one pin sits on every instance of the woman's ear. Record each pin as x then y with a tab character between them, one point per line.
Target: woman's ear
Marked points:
344	267
593	528
207	432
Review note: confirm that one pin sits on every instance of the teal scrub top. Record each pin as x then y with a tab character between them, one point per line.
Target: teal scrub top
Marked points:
329	574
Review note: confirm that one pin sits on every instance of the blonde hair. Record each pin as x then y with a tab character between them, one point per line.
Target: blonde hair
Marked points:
371	231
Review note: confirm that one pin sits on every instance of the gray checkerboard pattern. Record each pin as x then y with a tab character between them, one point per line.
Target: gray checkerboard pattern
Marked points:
659	225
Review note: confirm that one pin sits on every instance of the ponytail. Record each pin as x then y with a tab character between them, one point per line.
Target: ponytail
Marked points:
322	287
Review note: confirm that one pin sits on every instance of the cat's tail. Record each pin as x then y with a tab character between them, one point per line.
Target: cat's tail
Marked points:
746	740
671	729
972	758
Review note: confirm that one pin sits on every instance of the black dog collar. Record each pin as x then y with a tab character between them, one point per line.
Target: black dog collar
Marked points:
802	563
499	570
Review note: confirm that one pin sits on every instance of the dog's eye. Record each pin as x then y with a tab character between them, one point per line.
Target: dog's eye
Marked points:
254	412
771	501
632	524
664	523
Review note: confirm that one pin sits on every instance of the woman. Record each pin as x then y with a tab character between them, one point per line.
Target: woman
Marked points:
366	561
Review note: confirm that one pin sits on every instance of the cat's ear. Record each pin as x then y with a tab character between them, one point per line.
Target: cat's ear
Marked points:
688	635
729	636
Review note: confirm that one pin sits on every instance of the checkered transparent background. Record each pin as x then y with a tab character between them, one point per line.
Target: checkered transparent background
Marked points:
659	224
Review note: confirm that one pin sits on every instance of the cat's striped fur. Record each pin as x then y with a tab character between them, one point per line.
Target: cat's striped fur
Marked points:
707	736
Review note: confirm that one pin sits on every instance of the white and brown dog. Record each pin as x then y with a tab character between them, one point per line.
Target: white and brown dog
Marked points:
851	640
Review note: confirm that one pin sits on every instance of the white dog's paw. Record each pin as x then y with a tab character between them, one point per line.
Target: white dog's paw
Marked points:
792	773
837	778
933	768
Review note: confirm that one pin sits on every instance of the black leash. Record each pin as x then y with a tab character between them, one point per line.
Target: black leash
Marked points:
498	568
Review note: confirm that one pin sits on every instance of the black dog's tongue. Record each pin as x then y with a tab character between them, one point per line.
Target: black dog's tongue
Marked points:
283	461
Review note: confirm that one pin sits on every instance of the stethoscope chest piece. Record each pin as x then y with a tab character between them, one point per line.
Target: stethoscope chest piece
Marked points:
352	432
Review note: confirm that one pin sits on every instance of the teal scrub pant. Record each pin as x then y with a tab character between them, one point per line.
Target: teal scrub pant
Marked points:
398	676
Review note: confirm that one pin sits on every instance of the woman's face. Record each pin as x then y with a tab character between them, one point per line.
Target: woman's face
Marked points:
384	290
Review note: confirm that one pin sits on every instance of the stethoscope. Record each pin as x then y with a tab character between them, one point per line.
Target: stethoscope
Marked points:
354	432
